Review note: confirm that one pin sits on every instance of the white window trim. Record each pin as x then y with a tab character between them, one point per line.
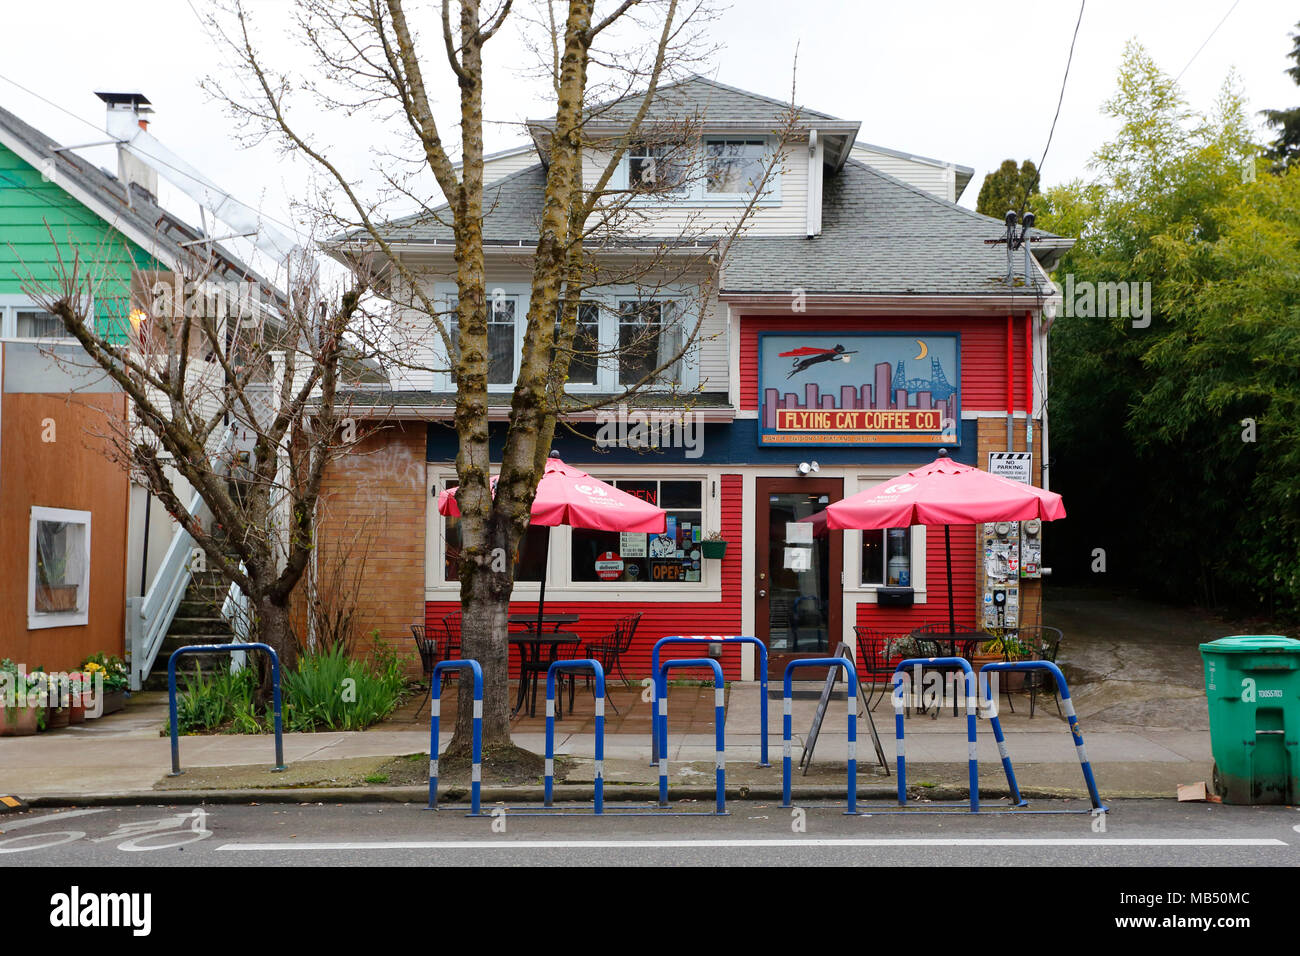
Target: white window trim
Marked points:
697	194
608	298
558	585
43	619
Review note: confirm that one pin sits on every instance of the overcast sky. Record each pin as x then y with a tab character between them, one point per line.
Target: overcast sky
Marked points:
971	83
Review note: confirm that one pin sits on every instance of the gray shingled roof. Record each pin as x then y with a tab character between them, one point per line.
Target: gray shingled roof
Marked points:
142	214
512	211
695	96
880	236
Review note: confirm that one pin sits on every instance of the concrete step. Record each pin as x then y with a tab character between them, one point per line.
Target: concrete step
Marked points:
207	624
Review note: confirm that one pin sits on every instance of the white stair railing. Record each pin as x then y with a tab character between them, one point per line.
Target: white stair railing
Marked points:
149	618
238	613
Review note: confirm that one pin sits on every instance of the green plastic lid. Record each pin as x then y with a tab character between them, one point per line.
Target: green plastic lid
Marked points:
1253	644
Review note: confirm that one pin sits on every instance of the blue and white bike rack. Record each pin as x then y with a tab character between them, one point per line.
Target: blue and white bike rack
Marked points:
972	706
719	727
851	673
599	672
435	706
724	640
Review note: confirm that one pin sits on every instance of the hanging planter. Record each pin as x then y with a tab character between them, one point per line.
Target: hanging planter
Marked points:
713	547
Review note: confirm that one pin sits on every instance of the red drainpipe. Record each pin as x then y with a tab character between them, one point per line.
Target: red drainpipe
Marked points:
1011	375
1029	364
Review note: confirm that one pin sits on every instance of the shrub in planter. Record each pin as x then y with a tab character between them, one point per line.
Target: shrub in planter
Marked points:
22	709
714	546
116	679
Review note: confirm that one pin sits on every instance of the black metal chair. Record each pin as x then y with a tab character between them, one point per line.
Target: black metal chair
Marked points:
877	665
609	650
428	649
936	639
450	645
1046	642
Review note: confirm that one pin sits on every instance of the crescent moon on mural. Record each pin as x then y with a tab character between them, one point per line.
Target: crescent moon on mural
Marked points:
925	350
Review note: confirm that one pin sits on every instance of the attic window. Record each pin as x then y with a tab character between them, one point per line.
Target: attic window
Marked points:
661	168
735	166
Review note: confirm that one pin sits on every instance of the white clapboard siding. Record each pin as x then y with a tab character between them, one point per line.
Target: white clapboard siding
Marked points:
510	161
786	214
936	178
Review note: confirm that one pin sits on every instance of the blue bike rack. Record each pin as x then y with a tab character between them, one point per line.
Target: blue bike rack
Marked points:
596	669
851	674
435	706
1067	705
719	727
224	649
972	703
724	640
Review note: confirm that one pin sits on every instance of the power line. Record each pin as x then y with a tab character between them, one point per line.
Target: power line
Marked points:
188	175
1207	40
1038	173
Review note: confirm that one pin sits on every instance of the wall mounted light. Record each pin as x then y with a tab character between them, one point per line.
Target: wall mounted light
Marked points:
808	468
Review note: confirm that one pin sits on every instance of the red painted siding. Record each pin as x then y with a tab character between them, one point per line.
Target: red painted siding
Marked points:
984	372
894	621
659	618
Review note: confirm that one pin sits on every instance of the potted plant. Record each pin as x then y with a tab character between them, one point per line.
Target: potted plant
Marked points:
77	687
1004	646
714	546
57	714
116	680
20	713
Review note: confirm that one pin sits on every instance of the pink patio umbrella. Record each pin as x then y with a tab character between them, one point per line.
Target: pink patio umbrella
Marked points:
567	495
947	493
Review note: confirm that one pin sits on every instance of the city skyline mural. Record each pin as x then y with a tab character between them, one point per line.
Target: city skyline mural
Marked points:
858	388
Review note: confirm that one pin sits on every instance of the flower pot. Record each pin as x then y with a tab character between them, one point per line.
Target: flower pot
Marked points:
1013	681
713	549
18	721
56	718
76	714
56	598
114	700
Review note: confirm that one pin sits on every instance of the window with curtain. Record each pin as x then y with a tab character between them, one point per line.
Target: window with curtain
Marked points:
500	334
584	365
649	336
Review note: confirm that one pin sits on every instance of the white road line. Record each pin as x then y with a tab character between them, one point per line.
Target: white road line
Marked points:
6	826
723	844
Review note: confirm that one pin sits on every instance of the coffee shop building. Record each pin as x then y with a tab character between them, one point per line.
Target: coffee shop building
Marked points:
864	324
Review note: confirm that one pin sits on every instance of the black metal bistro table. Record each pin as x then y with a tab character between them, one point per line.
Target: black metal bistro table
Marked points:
537	651
947	642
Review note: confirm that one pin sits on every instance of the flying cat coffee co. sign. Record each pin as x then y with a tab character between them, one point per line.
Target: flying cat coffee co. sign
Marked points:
859	388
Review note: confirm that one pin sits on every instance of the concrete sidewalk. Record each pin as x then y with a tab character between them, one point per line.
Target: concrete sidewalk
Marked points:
123	757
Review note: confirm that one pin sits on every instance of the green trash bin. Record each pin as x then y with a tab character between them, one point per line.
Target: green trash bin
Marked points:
1252	683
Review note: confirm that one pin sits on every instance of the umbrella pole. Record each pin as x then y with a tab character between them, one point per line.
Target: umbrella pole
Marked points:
541	596
947	551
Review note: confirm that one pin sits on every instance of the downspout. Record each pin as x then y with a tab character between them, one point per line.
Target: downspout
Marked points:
1029	383
1011	373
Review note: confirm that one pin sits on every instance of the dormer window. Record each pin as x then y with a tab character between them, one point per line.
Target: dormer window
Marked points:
735	166
718	170
661	169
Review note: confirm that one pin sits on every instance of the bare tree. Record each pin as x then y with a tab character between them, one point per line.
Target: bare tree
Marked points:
370	56
218	374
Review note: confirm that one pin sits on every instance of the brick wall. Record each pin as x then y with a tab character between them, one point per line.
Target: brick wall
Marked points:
378	489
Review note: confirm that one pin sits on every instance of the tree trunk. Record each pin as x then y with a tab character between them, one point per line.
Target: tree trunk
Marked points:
483	638
274	628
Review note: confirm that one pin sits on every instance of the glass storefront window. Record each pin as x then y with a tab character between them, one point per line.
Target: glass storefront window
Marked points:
887	557
670	558
528	565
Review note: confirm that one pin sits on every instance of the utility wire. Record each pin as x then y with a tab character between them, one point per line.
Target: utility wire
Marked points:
1038	173
1207	40
188	175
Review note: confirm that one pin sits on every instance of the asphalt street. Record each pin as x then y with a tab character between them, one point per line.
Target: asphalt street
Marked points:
1136	833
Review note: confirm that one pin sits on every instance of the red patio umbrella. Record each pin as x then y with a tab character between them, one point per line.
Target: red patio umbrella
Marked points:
947	493
567	495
